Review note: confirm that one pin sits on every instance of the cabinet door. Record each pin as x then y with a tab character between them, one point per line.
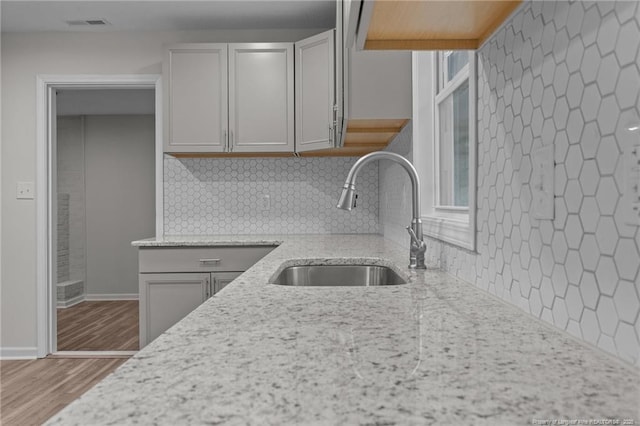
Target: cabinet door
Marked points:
261	97
196	114
315	92
167	298
221	279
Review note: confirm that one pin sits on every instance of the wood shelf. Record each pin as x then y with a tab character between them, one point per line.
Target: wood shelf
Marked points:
432	25
363	137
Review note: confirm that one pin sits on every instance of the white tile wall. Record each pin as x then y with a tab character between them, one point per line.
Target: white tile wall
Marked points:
395	190
226	196
63	237
567	74
70	159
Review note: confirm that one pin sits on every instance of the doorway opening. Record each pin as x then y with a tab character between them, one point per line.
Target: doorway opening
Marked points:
103	163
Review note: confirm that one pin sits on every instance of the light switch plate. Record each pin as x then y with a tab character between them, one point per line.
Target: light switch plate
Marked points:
25	191
542	183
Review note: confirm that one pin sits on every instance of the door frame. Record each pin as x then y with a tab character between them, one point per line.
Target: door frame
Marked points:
46	265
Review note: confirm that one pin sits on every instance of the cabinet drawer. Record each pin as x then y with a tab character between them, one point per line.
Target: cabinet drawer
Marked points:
199	259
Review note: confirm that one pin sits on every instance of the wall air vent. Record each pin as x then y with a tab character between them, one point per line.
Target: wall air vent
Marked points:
92	22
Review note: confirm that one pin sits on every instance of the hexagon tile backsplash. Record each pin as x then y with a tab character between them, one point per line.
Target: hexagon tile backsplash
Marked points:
565	74
265	196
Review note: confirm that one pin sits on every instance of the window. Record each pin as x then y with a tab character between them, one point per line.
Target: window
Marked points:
452	118
444	143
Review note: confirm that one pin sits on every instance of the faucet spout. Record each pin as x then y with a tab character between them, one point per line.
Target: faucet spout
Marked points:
347	200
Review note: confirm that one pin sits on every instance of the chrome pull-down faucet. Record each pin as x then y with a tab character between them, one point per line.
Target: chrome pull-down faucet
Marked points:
348	198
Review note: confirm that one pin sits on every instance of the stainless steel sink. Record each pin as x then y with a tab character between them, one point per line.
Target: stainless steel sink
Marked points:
338	275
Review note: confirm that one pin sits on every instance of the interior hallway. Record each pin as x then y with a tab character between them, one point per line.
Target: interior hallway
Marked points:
99	326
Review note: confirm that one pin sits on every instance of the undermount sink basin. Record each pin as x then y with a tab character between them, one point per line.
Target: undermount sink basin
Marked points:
338	275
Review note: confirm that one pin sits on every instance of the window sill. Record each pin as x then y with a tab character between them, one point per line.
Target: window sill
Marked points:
454	231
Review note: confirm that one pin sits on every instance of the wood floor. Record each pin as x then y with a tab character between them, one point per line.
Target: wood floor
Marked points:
99	326
32	391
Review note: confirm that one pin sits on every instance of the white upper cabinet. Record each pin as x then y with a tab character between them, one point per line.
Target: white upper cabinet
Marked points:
239	98
261	108
196	113
315	92
229	98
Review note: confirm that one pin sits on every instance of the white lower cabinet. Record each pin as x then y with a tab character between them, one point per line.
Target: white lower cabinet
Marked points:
167	298
175	281
221	279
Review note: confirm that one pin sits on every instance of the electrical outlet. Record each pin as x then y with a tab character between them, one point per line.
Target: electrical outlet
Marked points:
542	185
631	196
633	186
265	203
634	216
25	191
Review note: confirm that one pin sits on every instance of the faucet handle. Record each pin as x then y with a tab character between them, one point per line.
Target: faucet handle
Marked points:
414	237
417	244
416	250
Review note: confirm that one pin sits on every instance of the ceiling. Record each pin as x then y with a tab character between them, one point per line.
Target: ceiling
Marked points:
27	15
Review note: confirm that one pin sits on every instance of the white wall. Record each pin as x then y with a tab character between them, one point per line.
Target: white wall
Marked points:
395	190
1	180
105	101
23	57
120	199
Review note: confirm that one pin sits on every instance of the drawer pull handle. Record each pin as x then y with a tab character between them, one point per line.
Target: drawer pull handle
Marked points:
210	260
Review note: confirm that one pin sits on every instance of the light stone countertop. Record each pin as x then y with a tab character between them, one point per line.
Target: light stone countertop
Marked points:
215	240
434	351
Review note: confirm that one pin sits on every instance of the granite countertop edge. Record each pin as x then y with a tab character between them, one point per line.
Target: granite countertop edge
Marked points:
434	351
210	241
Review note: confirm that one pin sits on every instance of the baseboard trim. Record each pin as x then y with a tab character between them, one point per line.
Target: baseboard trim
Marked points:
19	353
99	297
92	354
71	302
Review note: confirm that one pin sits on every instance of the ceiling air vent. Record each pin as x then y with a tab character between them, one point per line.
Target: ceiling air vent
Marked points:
92	22
97	22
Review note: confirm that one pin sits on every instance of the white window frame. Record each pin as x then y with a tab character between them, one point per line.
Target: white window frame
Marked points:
454	225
